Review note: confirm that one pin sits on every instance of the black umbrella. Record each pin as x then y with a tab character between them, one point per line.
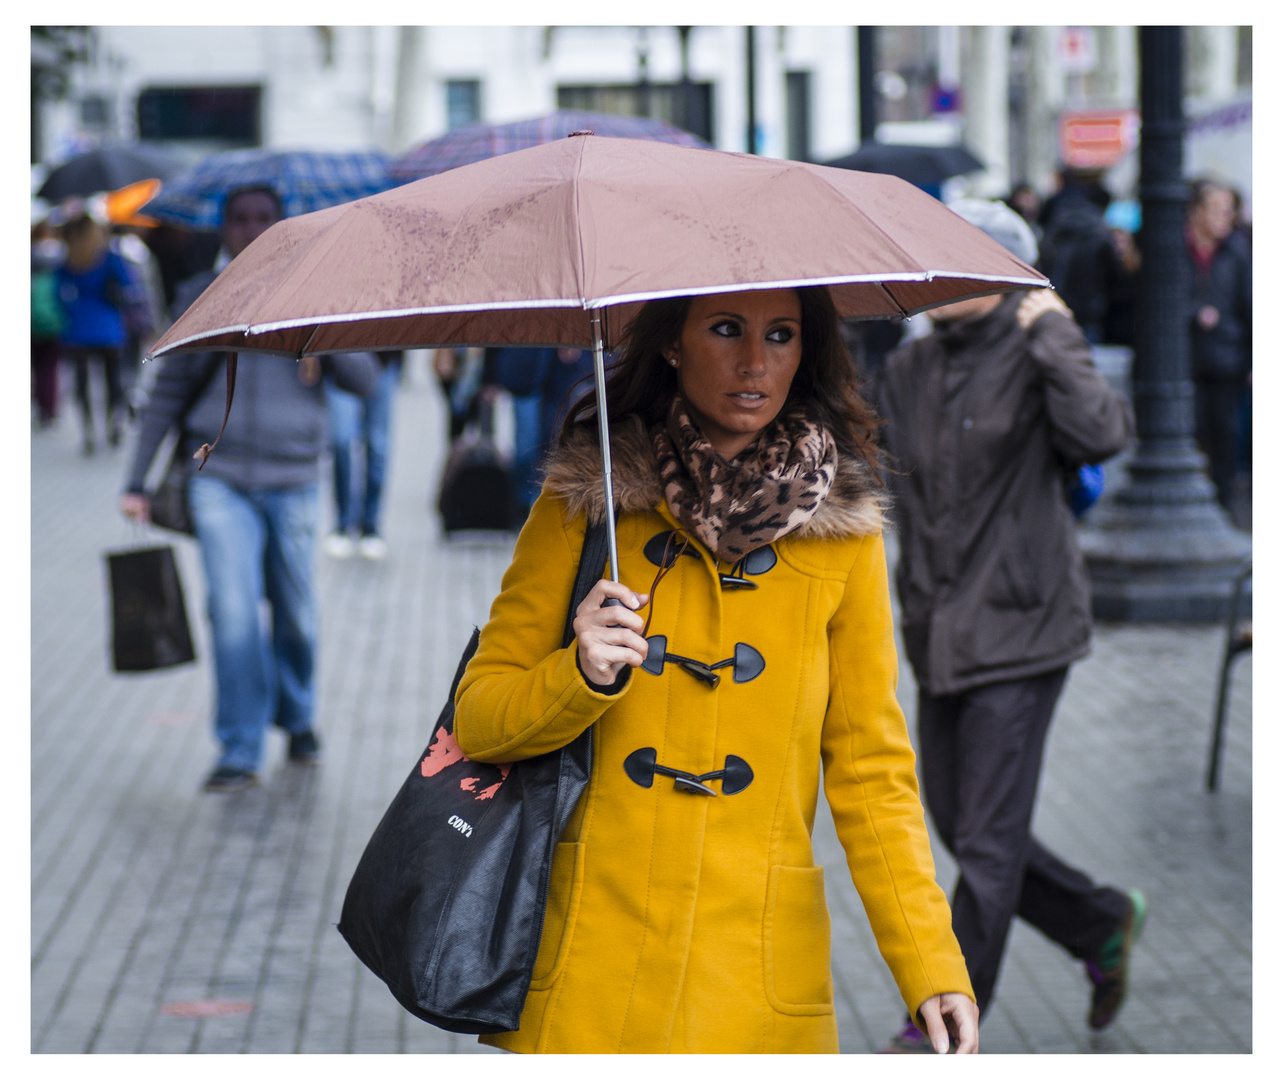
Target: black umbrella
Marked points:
106	169
921	165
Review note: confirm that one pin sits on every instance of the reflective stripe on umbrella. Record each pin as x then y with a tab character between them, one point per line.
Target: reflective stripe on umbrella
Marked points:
561	244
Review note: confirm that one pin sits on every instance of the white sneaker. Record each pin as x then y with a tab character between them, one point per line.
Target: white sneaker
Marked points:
339	546
372	546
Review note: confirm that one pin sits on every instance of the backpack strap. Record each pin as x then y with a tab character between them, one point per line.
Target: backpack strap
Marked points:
592	560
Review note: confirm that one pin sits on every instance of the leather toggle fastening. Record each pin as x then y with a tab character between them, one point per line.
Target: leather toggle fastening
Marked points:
658	544
746	665
642	769
754	563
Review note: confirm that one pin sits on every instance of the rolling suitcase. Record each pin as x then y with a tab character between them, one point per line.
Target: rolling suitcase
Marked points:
476	486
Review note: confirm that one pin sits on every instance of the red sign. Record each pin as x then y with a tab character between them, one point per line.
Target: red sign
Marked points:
1097	139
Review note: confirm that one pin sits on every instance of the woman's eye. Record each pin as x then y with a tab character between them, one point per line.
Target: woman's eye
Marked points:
782	335
726	328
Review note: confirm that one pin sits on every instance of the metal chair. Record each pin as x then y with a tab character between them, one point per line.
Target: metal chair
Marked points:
1238	640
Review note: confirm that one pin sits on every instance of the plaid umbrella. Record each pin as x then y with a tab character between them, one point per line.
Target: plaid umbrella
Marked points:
478	142
304	180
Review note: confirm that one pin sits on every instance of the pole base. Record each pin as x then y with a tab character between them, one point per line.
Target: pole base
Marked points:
1163	564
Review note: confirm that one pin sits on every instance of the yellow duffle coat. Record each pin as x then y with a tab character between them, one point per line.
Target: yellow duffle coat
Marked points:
682	923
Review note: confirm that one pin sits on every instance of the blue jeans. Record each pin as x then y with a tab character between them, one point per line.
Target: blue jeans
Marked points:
527	437
258	545
367	421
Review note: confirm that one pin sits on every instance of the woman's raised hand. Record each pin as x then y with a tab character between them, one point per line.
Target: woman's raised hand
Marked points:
609	637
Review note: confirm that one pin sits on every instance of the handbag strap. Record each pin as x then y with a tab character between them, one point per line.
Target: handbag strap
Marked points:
592	559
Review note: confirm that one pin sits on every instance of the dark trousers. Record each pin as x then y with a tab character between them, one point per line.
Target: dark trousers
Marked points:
1218	409
44	378
110	357
980	757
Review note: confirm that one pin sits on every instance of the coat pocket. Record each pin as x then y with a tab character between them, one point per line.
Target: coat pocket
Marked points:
796	940
559	915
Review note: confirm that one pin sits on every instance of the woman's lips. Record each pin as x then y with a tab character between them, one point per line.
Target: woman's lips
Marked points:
749	399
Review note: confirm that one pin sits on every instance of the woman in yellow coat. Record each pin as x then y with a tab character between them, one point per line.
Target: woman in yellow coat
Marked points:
685	913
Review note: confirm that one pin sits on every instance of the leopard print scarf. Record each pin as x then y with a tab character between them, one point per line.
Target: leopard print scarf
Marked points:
775	486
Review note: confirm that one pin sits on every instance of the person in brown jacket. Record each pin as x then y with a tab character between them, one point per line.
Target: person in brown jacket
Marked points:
985	416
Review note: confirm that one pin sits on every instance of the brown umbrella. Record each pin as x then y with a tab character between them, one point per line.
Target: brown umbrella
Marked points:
560	244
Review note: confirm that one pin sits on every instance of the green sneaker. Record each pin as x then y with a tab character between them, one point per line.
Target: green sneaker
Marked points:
1108	971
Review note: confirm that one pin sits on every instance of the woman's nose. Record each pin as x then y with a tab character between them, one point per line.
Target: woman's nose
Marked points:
752	358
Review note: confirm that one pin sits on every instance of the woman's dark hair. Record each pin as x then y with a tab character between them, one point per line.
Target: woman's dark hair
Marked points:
641	383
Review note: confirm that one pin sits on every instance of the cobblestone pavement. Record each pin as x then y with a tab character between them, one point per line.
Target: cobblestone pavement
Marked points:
166	920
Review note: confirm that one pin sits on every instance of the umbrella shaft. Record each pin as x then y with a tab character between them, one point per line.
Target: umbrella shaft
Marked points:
603	428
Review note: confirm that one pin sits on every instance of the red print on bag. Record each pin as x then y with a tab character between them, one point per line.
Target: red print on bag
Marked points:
445	752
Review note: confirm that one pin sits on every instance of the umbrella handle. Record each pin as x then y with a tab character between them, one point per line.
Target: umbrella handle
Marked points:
603	429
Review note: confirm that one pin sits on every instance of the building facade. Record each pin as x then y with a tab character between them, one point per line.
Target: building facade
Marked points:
1004	91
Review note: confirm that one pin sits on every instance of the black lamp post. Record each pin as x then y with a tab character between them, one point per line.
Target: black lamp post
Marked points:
1162	549
865	48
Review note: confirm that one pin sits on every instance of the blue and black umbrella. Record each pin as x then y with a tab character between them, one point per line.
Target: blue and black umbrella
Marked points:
303	180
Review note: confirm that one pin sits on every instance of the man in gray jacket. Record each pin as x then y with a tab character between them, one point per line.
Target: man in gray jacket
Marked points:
255	507
985	417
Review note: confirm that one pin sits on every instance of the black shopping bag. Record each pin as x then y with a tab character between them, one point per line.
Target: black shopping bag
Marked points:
446	905
149	629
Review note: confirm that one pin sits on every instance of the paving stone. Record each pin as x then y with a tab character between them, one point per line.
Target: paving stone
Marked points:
146	891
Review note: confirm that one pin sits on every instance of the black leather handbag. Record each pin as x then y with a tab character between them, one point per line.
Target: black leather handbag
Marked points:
447	902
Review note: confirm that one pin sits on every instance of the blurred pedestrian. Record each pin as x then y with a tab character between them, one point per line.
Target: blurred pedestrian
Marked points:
255	506
47	317
361	426
1221	329
144	314
544	383
745	467
1123	221
1077	252
1024	200
92	283
983	416
461	375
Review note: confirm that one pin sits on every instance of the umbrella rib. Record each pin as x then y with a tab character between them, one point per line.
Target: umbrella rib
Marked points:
579	227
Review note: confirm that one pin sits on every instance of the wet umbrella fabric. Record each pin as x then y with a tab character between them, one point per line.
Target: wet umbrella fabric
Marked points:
477	142
106	168
560	244
921	165
527	248
305	180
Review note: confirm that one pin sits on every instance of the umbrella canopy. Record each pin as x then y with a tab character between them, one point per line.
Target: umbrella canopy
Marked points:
526	247
477	142
306	181
921	165
106	169
559	244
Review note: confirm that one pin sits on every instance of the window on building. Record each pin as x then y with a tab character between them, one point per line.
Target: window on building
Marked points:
692	110
230	116
797	94
462	103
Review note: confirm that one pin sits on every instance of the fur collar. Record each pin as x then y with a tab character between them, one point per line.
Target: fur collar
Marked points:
854	507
